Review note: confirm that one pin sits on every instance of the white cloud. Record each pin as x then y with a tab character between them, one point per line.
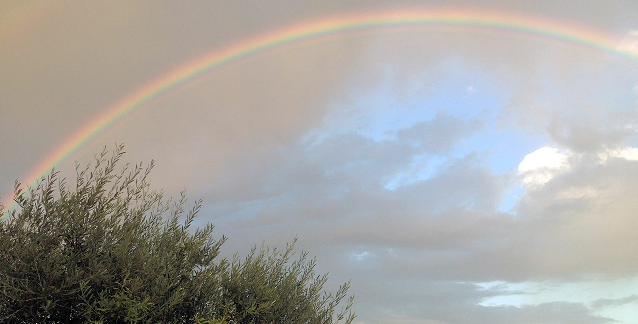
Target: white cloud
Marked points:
539	167
627	153
629	44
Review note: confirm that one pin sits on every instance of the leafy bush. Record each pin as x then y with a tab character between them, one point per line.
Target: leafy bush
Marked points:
114	251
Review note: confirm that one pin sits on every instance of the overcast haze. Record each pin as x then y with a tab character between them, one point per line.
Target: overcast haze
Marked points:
455	175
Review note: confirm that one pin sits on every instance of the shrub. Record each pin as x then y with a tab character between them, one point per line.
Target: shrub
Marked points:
115	251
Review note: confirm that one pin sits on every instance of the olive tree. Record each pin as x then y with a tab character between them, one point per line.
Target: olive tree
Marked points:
111	250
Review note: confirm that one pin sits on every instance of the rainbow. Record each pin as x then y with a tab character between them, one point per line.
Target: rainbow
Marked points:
479	20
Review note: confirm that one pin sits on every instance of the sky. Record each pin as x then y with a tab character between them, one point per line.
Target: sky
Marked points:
458	161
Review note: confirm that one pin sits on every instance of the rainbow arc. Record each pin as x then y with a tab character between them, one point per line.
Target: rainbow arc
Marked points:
479	20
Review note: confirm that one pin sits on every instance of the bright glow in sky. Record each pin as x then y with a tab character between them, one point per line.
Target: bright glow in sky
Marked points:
538	167
458	173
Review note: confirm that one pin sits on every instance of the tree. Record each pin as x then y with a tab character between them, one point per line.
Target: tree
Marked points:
115	251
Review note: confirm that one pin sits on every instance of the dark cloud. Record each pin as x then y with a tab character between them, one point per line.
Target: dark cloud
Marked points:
608	302
545	313
583	136
582	221
418	301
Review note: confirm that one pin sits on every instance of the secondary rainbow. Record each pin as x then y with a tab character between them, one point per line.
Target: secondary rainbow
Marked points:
479	20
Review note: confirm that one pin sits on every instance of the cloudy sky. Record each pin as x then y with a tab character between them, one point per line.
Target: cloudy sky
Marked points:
455	173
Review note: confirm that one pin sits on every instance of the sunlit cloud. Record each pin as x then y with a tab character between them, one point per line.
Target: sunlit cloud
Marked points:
539	167
627	153
629	43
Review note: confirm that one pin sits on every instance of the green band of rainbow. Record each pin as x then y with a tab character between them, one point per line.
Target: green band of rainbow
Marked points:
309	30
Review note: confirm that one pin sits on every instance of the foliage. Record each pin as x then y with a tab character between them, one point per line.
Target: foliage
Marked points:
114	251
264	288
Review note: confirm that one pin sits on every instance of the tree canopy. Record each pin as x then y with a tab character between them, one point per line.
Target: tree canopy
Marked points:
112	250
